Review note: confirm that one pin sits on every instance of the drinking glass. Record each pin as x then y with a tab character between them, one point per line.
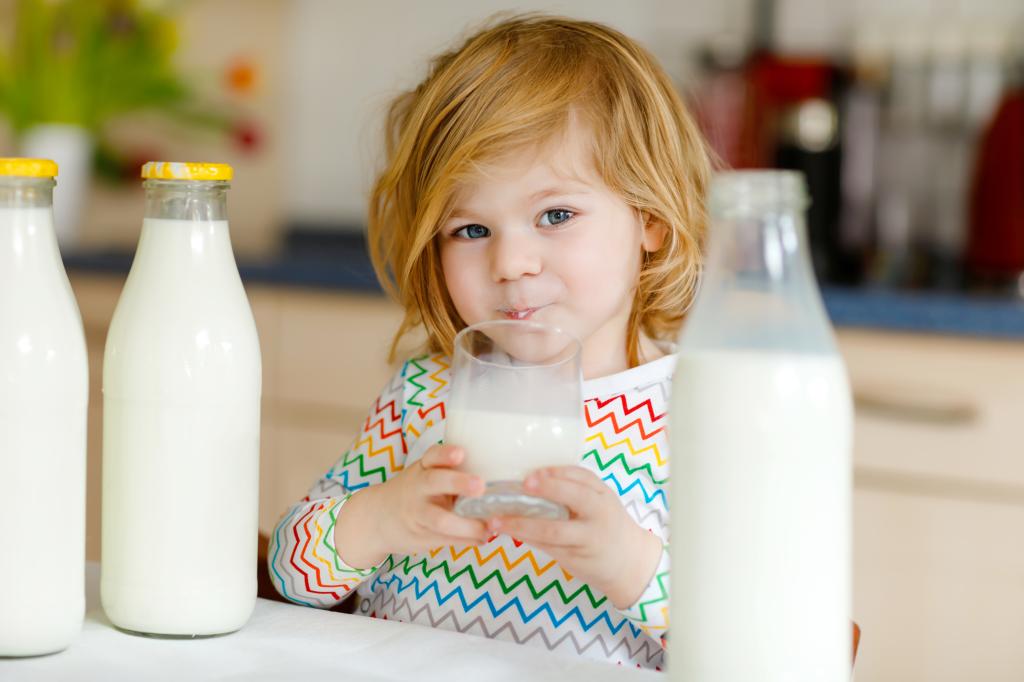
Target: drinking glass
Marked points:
515	406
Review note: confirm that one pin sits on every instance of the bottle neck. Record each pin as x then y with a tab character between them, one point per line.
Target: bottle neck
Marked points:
28	243
198	201
185	230
765	252
16	192
758	290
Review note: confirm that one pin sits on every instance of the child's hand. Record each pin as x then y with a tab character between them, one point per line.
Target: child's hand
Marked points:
599	543
412	512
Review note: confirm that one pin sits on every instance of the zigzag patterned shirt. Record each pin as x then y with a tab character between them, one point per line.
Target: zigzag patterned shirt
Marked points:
504	589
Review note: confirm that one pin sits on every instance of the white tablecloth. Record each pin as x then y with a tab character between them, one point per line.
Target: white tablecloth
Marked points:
285	642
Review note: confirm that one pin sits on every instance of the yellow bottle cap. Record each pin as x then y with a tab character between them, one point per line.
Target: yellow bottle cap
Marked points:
181	170
28	168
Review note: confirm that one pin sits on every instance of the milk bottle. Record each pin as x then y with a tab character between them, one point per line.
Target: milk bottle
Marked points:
181	401
44	389
760	429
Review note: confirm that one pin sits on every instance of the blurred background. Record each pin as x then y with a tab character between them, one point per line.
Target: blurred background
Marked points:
907	117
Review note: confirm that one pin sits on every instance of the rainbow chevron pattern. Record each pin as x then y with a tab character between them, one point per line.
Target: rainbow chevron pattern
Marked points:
504	589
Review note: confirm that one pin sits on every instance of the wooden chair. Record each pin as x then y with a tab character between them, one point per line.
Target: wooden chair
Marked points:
266	589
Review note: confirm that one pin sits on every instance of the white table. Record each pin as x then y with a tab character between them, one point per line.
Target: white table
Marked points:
286	642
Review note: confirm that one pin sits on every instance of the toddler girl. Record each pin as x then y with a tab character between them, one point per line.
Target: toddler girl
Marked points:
544	170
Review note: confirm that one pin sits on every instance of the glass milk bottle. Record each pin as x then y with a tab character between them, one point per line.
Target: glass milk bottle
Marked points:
760	430
44	391
181	420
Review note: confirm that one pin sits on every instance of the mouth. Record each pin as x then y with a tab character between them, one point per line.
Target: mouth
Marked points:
518	313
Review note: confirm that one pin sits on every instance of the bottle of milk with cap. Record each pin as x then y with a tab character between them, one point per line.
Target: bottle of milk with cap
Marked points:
181	420
44	391
760	429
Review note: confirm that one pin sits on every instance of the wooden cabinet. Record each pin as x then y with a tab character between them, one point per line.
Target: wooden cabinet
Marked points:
938	587
324	362
333	349
938	506
934	406
97	296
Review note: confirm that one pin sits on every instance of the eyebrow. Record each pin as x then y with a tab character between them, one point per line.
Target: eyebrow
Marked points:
571	189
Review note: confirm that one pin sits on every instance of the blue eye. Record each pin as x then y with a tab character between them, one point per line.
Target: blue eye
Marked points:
556	216
472	232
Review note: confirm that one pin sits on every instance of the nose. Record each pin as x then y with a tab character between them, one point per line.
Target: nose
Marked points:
514	255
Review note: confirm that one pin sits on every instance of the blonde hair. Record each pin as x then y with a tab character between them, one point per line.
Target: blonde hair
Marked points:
515	84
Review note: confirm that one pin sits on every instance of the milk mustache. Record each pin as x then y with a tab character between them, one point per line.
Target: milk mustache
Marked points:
43	408
181	397
760	431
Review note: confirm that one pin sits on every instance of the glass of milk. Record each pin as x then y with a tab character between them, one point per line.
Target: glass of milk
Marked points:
515	406
760	431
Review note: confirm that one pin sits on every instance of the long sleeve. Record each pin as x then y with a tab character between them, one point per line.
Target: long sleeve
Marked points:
650	611
304	564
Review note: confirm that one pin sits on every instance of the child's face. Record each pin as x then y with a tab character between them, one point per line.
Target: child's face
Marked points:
540	236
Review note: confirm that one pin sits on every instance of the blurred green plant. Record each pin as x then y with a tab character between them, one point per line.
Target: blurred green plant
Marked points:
83	62
87	62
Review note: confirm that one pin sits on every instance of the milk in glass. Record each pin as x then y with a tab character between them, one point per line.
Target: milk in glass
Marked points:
508	445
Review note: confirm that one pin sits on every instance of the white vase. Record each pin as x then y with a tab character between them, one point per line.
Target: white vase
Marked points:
71	147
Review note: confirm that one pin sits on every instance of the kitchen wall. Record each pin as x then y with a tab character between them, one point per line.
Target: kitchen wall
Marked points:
346	59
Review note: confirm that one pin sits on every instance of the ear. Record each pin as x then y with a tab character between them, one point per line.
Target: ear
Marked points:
655	232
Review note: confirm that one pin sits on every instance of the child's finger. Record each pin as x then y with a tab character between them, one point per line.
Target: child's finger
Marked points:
541	532
442	522
575	473
578	497
442	481
442	456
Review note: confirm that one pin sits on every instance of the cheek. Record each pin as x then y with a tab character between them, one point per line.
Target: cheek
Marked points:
604	266
461	278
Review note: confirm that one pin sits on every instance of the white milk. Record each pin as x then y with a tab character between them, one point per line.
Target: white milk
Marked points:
181	396
43	404
506	446
760	518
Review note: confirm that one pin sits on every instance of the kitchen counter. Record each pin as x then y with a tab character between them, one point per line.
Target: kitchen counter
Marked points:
930	312
346	267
